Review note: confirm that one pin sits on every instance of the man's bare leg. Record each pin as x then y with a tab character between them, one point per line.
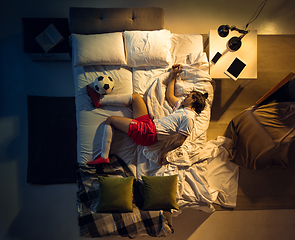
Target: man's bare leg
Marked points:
121	123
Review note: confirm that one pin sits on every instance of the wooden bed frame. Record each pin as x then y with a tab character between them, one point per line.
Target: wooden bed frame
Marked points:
270	94
105	20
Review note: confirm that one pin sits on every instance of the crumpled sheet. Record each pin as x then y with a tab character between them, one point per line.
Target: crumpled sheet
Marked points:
191	78
204	174
211	178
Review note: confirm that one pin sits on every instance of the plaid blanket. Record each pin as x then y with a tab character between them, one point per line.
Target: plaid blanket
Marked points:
137	223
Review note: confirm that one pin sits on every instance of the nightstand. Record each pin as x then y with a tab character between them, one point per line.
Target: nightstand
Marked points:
32	27
247	53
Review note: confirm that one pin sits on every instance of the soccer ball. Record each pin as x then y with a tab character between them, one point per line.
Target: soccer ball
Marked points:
104	84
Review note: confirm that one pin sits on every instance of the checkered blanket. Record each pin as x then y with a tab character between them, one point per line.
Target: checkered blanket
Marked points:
137	223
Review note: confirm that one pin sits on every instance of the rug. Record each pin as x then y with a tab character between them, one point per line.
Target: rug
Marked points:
52	140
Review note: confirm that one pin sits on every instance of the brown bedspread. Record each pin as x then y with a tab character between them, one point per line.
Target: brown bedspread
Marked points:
264	141
262	135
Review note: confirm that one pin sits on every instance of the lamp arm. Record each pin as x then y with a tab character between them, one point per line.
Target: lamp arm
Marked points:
244	32
223	30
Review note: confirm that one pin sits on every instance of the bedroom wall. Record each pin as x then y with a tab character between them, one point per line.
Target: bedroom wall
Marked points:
30	212
187	16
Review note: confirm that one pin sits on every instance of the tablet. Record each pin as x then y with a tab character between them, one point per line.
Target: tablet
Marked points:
235	69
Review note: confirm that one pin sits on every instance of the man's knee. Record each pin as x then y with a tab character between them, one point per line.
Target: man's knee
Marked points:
109	120
136	97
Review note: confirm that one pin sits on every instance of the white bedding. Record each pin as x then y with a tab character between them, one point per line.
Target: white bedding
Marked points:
204	177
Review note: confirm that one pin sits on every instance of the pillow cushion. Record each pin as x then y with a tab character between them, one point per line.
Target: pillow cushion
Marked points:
160	192
115	194
148	48
185	44
98	49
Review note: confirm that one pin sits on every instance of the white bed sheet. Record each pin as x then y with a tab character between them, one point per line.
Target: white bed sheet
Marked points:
90	121
198	184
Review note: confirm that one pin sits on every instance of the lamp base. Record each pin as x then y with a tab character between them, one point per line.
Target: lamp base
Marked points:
234	43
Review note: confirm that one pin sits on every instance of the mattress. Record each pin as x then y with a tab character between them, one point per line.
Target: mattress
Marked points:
128	80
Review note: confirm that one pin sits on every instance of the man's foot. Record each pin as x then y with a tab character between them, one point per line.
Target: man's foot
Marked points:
94	96
99	160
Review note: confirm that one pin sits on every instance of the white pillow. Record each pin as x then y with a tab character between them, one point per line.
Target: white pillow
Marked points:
185	44
148	48
98	49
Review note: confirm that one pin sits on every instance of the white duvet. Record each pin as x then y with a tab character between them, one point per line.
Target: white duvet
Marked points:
204	175
191	78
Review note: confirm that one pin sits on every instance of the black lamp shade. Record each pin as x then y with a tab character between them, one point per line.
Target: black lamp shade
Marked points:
223	30
234	43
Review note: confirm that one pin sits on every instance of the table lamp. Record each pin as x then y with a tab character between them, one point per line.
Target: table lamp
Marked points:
235	42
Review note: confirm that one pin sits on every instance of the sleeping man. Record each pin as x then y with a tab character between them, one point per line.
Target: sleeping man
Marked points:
144	130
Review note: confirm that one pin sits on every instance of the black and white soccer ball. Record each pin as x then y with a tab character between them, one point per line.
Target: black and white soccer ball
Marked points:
104	84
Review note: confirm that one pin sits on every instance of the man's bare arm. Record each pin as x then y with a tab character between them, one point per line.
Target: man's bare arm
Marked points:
170	91
177	143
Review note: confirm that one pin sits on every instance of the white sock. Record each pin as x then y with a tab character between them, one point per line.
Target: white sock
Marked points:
116	100
106	141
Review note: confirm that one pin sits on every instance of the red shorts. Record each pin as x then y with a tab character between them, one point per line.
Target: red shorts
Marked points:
142	131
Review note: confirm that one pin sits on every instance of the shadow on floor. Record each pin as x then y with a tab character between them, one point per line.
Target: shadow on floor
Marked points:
217	109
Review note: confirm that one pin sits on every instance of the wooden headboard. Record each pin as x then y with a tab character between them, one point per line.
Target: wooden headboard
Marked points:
104	20
278	89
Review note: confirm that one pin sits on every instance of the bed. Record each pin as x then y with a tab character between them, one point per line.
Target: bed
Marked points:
263	133
132	46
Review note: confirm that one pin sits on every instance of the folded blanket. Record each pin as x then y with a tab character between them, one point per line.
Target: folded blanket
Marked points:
93	224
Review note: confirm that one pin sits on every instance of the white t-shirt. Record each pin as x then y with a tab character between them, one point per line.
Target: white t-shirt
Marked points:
181	120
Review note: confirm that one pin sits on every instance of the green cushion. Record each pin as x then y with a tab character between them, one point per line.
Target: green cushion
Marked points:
115	194
160	192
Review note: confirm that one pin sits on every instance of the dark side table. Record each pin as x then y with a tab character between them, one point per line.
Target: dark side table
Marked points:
32	27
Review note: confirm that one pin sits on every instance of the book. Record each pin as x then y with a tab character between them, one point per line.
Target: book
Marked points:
49	38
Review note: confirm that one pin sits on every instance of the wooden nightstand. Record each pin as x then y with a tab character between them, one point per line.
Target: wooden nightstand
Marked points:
247	53
32	27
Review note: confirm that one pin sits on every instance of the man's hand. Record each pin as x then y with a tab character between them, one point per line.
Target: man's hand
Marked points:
176	69
162	157
177	143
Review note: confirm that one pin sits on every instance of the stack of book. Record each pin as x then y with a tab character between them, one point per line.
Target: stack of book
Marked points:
49	38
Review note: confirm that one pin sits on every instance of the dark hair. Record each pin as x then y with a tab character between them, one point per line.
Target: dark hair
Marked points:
199	102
